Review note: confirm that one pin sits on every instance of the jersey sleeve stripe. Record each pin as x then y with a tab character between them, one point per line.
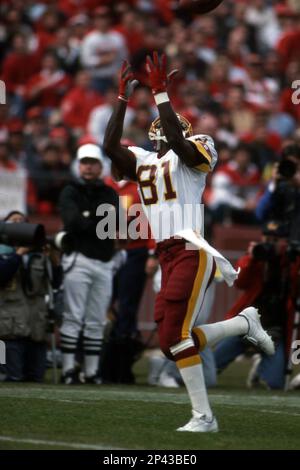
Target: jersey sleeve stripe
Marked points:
202	150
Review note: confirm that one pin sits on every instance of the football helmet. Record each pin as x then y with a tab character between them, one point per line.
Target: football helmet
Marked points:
156	131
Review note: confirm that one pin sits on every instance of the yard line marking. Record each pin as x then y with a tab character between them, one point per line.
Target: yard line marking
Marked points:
57	443
87	397
279	412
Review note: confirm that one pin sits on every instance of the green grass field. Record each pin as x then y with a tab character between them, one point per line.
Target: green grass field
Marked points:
144	417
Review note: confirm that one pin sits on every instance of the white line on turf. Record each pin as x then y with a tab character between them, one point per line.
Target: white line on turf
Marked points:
44	442
279	412
87	397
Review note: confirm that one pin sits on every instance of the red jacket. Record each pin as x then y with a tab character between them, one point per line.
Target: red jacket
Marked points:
250	280
129	189
77	105
55	88
17	70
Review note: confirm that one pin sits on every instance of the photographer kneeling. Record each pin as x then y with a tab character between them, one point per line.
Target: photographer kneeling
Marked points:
268	277
24	282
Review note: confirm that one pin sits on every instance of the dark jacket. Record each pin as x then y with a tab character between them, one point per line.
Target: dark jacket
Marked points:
78	205
9	265
23	286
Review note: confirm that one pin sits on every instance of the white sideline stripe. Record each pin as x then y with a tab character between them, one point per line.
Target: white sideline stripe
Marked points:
73	445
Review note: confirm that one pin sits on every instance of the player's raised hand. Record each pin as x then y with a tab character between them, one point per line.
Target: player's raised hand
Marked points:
127	82
157	71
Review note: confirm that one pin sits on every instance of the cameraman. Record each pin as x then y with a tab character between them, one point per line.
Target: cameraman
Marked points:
24	282
281	200
89	268
268	277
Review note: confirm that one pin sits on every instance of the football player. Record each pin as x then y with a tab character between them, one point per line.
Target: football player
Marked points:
173	177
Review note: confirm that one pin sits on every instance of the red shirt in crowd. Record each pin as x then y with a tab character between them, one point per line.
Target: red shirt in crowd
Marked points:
288	47
77	106
51	88
17	70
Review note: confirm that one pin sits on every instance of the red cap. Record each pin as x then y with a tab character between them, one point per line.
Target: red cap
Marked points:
58	132
86	139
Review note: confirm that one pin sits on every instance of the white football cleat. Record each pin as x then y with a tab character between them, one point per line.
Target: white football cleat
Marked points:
199	423
256	334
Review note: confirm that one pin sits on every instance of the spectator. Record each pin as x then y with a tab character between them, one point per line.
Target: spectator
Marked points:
78	28
280	122
235	188
49	177
259	90
131	27
7	162
262	17
16	141
36	135
47	26
102	51
17	69
219	79
287	42
60	137
46	89
79	102
242	116
67	54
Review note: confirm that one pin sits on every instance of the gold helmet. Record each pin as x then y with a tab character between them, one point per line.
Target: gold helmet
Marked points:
156	131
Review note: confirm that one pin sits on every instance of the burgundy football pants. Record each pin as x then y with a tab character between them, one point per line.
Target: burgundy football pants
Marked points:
186	275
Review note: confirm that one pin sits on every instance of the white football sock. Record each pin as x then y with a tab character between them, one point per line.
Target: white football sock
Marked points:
214	332
91	364
68	362
193	379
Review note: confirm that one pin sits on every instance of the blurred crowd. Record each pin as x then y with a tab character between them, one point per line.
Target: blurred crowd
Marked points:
60	60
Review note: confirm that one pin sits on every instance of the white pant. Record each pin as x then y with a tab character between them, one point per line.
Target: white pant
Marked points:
87	293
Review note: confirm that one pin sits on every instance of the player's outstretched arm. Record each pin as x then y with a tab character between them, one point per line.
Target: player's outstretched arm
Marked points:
123	159
158	78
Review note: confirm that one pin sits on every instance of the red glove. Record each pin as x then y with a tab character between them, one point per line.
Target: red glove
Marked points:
157	71
126	84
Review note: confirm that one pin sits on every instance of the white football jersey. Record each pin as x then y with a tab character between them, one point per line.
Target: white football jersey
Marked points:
171	192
